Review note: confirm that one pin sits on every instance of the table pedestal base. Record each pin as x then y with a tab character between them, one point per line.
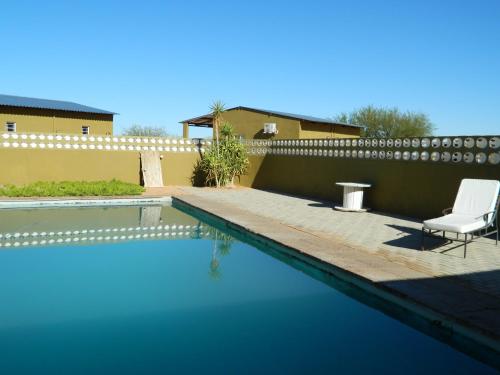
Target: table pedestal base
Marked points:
344	209
353	198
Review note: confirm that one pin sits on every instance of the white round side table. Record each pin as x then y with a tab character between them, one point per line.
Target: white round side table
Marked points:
353	197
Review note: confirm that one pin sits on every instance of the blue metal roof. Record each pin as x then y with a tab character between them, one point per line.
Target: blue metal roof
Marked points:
295	116
20	101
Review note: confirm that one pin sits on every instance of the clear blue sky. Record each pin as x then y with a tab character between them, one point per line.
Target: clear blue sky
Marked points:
159	62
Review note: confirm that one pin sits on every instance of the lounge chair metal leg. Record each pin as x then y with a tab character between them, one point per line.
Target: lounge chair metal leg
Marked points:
496	241
465	245
422	245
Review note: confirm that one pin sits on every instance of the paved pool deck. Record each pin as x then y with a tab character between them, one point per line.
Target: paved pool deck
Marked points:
378	250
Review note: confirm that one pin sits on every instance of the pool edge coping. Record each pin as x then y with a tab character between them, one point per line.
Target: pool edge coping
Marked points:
82	202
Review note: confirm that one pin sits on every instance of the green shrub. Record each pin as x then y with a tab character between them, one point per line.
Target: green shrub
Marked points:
72	189
224	160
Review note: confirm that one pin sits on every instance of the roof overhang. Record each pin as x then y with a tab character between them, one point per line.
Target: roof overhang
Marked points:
205	121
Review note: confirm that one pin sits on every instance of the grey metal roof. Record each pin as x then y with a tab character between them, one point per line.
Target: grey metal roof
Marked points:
20	101
295	116
207	119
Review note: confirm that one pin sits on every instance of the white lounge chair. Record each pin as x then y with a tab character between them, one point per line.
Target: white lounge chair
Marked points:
474	212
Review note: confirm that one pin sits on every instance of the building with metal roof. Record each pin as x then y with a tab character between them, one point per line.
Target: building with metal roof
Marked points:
256	123
23	114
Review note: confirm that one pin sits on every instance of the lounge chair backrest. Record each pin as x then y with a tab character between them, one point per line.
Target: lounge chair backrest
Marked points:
476	197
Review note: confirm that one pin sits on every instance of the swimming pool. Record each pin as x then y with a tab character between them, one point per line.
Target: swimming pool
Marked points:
156	290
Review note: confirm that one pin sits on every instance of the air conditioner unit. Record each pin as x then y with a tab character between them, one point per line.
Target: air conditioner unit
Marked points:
270	128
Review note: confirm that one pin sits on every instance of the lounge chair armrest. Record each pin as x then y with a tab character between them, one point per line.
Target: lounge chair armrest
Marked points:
447	211
485	215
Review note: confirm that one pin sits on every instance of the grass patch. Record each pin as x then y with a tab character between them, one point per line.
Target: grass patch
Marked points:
72	189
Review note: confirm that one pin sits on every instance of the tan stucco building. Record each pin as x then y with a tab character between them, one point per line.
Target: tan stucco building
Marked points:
32	115
253	123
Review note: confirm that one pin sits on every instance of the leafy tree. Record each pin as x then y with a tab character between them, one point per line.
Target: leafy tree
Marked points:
388	122
147	131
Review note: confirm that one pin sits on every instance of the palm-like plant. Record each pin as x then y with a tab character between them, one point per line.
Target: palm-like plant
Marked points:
217	108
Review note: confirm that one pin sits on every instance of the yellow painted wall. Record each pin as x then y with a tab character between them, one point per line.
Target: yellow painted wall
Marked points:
30	120
177	168
23	166
250	125
20	166
314	130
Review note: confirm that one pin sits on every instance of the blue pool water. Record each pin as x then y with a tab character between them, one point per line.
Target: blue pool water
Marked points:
155	290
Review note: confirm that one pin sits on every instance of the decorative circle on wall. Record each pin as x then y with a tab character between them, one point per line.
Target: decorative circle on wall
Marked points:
374	143
354	154
435	156
468	157
361	154
320	152
342	143
445	156
424	156
389	155
361	142
494	158
456	157
374	154
481	158
301	151
315	143
494	142
415	142
390	143
367	154
330	153
426	142
330	143
469	142
406	143
415	155
381	155
336	153
348	143
406	155
354	143
341	153
320	143
446	142
348	153
481	142
436	142
381	142
397	155
458	142
398	143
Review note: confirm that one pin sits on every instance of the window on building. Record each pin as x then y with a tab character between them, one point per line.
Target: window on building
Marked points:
85	130
10	126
